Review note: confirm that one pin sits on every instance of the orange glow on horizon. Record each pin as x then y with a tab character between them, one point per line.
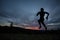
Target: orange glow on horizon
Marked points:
24	26
33	28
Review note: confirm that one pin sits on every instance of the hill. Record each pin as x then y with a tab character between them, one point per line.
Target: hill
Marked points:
16	33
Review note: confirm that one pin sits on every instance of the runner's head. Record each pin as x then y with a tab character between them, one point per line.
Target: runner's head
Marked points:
42	9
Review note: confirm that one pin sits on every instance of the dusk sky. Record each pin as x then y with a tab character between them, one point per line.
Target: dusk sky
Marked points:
24	11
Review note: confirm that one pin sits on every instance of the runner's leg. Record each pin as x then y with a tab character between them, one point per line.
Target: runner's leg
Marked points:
44	25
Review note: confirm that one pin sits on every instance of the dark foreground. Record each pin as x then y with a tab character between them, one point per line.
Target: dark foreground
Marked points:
15	33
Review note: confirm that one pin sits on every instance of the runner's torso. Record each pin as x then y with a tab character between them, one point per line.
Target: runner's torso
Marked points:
42	14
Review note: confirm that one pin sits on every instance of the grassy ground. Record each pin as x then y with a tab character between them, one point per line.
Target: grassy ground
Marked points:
22	36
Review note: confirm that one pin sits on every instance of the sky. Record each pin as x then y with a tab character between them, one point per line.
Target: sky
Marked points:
24	11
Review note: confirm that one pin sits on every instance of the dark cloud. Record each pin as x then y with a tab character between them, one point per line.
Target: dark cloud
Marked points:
24	11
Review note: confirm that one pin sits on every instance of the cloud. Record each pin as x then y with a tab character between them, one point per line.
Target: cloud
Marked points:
24	11
54	24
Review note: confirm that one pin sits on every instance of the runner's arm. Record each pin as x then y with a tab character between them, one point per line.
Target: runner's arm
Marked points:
47	15
37	14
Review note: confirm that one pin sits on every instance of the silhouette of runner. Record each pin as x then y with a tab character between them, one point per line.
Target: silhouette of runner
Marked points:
41	20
